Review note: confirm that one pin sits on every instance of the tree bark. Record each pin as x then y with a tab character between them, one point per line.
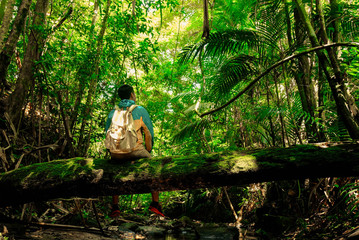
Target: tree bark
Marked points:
16	101
305	84
5	24
335	23
8	49
271	125
278	103
2	9
205	20
321	115
81	177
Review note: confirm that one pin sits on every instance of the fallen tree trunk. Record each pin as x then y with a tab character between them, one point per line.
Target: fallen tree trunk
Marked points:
85	177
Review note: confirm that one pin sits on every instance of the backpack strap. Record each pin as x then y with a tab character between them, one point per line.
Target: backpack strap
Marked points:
132	108
116	113
129	110
117	108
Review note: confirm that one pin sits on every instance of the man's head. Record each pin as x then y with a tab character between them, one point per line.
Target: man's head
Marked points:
126	92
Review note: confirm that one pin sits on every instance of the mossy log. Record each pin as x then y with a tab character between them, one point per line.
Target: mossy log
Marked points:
86	177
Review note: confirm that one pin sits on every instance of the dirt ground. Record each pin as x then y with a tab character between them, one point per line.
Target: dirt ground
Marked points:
70	234
17	232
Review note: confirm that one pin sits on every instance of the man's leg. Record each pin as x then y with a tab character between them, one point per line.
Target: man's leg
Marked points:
155	205
118	158
115	211
115	200
155	196
138	154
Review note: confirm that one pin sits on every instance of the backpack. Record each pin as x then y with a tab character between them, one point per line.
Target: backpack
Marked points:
121	137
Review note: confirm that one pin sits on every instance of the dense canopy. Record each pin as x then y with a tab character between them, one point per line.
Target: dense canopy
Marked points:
276	73
214	76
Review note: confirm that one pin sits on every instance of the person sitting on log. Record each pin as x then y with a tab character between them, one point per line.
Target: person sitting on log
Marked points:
125	127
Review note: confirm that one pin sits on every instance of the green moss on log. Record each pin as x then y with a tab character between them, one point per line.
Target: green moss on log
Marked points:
86	177
62	170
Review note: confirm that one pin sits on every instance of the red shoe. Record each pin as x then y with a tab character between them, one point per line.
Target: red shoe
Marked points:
156	208
115	212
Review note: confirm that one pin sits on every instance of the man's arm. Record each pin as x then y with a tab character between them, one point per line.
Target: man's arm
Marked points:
147	127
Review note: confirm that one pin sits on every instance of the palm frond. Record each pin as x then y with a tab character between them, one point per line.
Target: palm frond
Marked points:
236	69
347	14
190	52
350	194
269	6
234	13
265	112
230	41
192	129
272	22
350	25
218	43
199	106
338	131
186	96
264	134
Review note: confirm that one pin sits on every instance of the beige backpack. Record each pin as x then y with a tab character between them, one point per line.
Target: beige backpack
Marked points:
121	137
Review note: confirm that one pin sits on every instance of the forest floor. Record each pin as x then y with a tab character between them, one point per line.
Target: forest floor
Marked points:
125	227
131	226
70	225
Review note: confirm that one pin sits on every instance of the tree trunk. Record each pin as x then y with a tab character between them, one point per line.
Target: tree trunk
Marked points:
271	126
339	80
16	101
81	177
305	84
321	115
2	9
83	72
346	107
278	103
6	19
94	80
335	23
8	48
296	122
205	20
289	24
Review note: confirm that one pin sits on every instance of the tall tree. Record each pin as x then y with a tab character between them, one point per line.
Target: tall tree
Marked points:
26	80
346	106
205	19
93	84
5	19
305	82
9	47
82	73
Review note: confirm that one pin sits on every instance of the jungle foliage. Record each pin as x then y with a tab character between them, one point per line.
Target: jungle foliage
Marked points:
214	76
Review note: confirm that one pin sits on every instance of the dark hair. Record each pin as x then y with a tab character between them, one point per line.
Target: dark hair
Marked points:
124	92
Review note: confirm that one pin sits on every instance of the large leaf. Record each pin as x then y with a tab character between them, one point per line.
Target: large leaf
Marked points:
236	69
219	43
192	129
347	15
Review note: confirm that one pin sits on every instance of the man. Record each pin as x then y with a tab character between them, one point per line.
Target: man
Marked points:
143	126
